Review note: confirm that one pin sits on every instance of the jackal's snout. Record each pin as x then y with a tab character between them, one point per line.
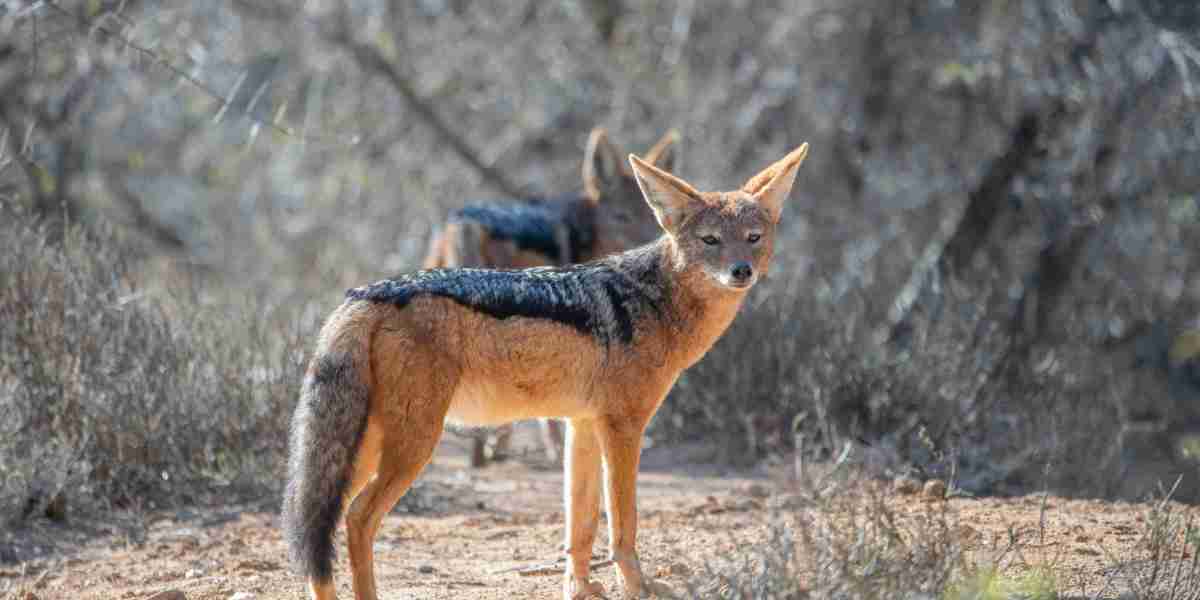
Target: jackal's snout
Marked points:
742	273
738	276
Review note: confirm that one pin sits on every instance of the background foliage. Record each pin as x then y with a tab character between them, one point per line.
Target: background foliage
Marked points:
988	270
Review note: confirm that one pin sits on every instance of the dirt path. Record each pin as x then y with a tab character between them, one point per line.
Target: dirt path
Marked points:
465	534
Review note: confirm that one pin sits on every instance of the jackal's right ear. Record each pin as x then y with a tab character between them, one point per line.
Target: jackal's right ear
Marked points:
663	153
671	198
602	168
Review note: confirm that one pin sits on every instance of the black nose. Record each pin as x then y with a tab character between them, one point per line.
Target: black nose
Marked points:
742	271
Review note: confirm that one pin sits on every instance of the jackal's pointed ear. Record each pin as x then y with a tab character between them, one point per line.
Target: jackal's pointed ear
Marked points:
772	185
671	198
602	167
664	154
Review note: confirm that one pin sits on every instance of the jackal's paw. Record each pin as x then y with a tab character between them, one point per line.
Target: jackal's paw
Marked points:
649	589
575	589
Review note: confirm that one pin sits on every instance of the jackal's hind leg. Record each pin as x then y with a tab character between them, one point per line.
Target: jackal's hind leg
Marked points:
491	445
502	448
552	439
404	454
321	590
479	449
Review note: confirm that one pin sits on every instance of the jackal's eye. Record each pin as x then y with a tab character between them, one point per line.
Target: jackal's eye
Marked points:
753	238
711	240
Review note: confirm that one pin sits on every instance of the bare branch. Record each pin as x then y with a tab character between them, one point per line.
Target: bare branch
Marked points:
372	60
27	167
17	144
155	59
142	219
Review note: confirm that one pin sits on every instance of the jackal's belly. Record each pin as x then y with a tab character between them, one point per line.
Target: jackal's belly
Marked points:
488	401
522	368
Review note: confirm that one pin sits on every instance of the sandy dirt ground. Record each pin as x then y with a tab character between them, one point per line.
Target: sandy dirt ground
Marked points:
476	534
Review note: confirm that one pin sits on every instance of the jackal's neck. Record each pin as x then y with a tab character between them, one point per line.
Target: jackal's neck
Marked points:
700	310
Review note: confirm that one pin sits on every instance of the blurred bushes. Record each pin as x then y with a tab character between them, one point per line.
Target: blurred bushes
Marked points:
997	271
988	269
114	394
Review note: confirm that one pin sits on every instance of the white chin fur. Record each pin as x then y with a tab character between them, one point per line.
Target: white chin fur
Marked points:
728	282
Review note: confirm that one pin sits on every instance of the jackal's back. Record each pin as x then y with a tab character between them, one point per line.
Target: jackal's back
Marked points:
606	299
556	229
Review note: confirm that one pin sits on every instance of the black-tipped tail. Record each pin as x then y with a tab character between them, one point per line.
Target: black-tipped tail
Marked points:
326	428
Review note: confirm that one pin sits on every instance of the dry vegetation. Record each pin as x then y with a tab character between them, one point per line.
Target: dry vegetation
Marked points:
989	273
129	398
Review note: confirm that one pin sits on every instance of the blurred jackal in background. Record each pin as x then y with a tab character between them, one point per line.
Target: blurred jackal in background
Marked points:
598	344
608	216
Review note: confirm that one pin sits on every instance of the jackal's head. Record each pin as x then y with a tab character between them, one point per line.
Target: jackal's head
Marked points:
619	213
727	236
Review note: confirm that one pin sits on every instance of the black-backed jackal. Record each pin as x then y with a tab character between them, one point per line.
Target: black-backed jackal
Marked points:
609	216
598	344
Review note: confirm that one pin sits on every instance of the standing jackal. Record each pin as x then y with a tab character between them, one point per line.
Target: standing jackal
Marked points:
608	216
598	344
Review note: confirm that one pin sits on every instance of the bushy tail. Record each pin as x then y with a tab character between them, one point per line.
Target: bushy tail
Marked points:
326	428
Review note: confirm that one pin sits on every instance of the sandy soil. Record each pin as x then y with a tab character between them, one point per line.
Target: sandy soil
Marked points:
468	534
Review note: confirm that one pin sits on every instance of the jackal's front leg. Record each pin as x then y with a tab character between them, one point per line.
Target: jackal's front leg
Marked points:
581	492
621	442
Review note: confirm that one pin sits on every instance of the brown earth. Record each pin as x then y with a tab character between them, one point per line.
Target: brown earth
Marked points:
476	534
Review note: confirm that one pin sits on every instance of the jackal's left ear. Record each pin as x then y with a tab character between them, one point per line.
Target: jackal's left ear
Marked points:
772	185
602	167
663	154
671	198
